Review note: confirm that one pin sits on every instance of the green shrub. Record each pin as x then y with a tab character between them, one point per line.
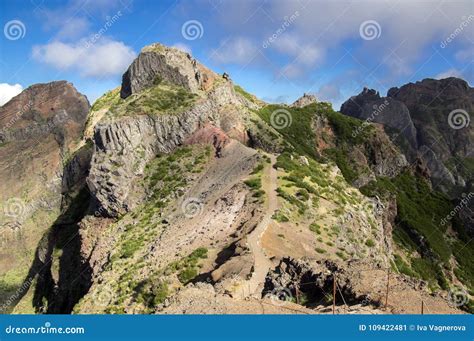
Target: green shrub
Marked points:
370	243
403	267
244	93
187	275
315	228
280	217
151	292
130	246
254	183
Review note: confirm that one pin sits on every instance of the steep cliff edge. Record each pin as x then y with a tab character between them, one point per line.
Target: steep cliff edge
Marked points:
40	129
433	117
125	143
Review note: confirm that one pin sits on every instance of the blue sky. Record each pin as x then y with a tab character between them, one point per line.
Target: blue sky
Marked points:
275	49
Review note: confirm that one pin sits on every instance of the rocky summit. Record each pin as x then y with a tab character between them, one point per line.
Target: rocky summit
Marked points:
179	192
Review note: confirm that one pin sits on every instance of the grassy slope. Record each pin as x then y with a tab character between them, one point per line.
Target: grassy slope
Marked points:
164	179
162	98
301	137
420	210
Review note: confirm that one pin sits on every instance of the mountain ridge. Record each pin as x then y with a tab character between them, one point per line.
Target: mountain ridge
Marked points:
162	191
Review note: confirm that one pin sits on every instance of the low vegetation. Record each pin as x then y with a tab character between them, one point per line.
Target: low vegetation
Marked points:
161	98
419	229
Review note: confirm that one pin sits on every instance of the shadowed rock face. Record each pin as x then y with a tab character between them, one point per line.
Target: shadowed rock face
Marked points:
420	112
39	129
369	106
430	102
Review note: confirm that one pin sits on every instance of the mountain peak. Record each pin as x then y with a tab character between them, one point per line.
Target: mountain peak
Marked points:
304	100
157	62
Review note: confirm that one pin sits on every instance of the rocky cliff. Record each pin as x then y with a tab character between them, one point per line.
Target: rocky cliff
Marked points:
40	130
160	63
124	146
433	117
188	194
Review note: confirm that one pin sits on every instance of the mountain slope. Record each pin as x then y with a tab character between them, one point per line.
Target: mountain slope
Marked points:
40	129
198	197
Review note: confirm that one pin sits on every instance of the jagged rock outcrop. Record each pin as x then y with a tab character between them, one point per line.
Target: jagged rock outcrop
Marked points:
209	135
422	112
40	126
304	100
158	62
370	107
124	145
441	111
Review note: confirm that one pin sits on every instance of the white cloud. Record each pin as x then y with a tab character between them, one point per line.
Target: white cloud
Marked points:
408	30
74	28
329	93
465	55
292	71
305	53
449	73
235	51
7	92
103	59
182	47
302	55
75	18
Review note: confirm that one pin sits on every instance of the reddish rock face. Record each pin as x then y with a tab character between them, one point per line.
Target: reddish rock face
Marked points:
38	131
43	109
209	134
